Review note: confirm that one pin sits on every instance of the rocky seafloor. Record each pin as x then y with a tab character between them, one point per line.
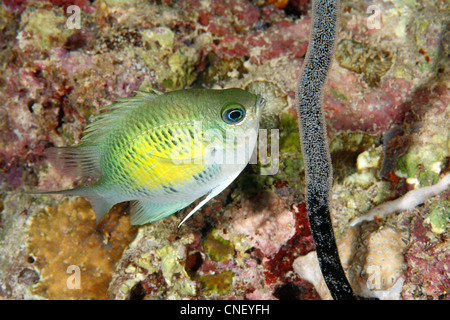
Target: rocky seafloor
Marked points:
387	109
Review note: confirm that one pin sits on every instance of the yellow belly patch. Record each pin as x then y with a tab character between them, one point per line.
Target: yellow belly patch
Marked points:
168	164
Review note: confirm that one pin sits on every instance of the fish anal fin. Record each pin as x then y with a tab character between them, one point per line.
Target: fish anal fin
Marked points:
99	204
144	212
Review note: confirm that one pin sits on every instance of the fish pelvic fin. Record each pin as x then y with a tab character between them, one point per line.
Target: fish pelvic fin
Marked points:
145	212
214	192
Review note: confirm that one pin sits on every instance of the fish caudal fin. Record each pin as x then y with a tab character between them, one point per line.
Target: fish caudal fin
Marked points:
100	205
145	212
79	161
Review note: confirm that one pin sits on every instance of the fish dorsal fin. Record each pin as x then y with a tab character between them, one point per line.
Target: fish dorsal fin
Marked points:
155	92
83	160
105	121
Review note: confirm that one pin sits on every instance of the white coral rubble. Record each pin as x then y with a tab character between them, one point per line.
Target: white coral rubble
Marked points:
372	257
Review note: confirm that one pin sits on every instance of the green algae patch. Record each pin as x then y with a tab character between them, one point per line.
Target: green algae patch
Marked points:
173	63
423	162
217	248
219	283
285	169
47	28
290	134
439	217
370	61
338	95
174	272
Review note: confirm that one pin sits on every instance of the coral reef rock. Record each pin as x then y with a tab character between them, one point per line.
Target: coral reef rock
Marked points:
372	258
386	105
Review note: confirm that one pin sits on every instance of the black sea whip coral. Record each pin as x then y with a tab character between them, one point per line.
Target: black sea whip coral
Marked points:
314	146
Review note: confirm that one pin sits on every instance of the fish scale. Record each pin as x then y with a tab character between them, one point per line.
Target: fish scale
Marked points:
156	150
145	167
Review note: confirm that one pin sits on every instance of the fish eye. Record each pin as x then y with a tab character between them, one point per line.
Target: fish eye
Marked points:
233	114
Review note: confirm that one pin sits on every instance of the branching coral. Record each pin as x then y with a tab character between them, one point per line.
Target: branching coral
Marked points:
372	255
410	200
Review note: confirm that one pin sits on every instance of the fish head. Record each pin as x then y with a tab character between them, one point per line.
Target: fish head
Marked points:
236	115
239	109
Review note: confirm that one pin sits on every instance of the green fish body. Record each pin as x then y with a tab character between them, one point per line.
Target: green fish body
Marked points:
162	151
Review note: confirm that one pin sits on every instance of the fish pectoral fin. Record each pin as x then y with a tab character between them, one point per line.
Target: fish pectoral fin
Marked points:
187	162
144	212
214	192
